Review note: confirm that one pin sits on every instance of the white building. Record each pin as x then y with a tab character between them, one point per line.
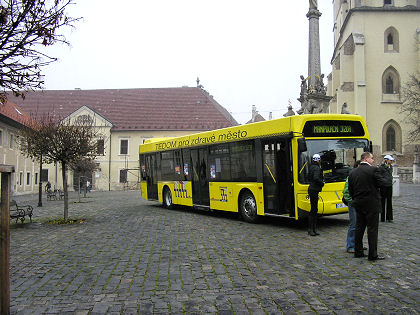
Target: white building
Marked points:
377	47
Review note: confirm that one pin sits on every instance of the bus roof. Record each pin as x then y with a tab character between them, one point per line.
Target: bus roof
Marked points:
292	125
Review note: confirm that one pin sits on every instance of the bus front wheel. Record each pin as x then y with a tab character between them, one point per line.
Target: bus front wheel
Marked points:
167	198
248	207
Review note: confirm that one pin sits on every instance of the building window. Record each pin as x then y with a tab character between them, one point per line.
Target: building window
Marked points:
391	40
1	137
44	176
387	2
389	85
12	141
21	178
123	176
390	81
124	146
390	139
36	178
28	178
100	147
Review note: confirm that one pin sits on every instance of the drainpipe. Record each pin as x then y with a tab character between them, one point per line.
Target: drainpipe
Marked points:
109	166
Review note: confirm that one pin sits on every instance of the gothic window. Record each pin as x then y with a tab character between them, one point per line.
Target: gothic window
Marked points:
391	40
390	139
389	85
390	81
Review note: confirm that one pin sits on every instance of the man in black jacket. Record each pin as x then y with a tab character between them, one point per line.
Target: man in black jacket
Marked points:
386	189
316	182
364	183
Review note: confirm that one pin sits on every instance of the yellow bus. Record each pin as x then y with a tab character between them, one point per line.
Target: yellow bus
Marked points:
258	169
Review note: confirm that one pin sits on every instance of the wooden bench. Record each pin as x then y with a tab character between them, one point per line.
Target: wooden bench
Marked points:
20	212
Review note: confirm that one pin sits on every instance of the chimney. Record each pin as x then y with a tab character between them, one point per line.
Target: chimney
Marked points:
254	112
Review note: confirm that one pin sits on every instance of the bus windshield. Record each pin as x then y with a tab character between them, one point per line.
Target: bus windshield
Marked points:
337	157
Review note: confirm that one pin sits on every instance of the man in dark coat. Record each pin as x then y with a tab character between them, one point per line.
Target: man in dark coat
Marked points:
386	189
364	183
316	182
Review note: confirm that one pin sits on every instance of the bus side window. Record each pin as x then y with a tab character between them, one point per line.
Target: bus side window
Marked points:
178	165
219	163
243	161
186	164
143	167
168	165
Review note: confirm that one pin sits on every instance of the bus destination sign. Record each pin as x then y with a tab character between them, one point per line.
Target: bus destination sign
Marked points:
333	128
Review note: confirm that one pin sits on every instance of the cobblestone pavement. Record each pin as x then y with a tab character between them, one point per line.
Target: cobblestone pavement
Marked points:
131	256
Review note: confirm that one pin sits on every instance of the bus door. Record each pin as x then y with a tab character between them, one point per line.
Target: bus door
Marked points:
200	177
152	189
277	176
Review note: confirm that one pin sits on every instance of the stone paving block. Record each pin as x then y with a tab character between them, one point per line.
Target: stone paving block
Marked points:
186	261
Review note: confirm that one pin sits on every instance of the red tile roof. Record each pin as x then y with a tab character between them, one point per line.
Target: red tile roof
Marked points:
257	118
14	114
185	108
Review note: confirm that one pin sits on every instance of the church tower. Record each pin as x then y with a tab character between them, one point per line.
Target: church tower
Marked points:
376	48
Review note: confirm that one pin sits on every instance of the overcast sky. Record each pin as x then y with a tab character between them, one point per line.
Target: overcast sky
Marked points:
245	52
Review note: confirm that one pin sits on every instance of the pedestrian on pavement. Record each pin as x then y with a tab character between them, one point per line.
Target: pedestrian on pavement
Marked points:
316	182
364	183
352	215
386	189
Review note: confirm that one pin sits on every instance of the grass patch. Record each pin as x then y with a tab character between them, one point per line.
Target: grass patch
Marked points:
68	221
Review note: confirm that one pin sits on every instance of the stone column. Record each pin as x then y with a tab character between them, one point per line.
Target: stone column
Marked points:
314	59
313	96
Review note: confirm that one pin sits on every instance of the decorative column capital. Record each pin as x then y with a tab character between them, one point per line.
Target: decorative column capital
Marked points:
313	13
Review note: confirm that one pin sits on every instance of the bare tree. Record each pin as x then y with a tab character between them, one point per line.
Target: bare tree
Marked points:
410	107
66	144
25	28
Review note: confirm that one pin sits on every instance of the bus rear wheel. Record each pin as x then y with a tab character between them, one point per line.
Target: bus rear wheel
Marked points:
167	198
248	207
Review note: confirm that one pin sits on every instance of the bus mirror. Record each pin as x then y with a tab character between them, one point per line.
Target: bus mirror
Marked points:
302	145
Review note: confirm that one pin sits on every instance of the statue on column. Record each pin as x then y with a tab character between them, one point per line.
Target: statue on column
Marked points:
344	109
313	4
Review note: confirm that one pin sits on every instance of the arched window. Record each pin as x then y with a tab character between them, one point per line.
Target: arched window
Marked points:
391	84
391	137
391	40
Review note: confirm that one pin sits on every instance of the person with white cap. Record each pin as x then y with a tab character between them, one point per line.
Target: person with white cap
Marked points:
316	182
386	189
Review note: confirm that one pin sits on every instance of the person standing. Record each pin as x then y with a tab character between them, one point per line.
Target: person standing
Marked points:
386	189
364	182
352	215
316	182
